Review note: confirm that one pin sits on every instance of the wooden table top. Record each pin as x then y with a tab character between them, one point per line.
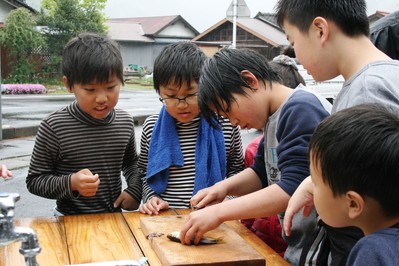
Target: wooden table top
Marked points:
87	238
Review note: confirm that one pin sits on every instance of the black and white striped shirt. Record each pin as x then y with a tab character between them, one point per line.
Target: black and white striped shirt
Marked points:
181	179
68	141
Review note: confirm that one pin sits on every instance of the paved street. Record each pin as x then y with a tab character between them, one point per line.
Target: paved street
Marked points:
28	110
15	153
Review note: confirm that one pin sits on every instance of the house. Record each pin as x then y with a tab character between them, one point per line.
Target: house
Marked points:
141	39
7	5
260	33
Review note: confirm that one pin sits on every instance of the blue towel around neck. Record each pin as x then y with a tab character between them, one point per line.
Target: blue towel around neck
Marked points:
165	151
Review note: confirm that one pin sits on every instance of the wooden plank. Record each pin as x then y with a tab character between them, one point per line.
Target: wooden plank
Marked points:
233	251
99	238
9	255
272	257
133	220
50	232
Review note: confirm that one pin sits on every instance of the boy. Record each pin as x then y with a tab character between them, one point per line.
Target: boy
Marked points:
181	152
332	38
269	228
81	149
354	157
240	84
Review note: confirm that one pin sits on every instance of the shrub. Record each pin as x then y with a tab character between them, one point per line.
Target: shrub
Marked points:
147	81
22	89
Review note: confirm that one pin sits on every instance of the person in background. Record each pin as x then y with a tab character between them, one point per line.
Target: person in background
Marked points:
269	228
181	152
289	51
240	84
384	34
354	157
331	38
5	173
81	149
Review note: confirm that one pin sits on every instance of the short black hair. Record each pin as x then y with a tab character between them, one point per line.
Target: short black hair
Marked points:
358	149
177	63
91	57
349	15
221	78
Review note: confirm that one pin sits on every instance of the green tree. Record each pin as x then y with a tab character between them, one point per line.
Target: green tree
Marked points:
65	19
21	39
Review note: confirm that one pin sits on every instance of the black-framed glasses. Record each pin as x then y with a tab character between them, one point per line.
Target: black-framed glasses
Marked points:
174	101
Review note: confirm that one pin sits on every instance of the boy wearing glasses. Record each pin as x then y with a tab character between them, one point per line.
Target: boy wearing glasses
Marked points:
181	152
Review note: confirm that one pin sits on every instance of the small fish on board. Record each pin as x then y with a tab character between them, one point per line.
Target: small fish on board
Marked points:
175	236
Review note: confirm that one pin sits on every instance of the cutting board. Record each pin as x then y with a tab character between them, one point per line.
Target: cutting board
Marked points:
234	250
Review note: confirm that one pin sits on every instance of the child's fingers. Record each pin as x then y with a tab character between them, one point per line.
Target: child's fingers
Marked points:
118	202
147	208
287	224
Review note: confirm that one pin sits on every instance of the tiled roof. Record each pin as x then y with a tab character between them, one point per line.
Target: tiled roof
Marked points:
17	4
121	31
269	18
263	31
153	25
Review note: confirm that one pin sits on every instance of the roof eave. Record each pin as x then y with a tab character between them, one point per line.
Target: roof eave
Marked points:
18	4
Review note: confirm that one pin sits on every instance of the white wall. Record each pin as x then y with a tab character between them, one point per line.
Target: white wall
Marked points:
4	10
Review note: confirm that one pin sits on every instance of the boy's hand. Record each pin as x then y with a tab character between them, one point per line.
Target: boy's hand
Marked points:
5	173
198	223
85	183
302	197
208	196
153	206
126	202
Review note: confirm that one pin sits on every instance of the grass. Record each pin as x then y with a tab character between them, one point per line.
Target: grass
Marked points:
137	86
56	90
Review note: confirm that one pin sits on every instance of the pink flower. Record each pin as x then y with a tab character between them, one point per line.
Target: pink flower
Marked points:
23	89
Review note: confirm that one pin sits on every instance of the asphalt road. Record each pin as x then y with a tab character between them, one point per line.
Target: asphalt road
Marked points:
29	110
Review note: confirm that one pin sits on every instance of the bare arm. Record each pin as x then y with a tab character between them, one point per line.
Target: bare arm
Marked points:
242	183
265	202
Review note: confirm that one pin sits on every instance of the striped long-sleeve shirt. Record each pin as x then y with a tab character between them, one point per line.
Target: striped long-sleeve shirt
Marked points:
68	141
181	179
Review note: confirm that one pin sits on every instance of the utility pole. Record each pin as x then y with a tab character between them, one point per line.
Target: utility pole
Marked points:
233	44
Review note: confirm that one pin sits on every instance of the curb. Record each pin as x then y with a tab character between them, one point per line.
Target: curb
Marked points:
28	131
19	132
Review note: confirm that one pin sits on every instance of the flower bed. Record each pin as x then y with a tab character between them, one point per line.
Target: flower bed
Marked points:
22	89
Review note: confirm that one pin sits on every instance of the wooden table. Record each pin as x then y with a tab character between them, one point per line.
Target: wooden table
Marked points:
104	237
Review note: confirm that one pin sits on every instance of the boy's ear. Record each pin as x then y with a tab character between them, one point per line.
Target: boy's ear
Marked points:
65	81
355	204
322	28
249	78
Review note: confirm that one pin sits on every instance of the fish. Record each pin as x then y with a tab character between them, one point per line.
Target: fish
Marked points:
175	236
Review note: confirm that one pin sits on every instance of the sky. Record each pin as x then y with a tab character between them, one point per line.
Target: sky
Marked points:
202	14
